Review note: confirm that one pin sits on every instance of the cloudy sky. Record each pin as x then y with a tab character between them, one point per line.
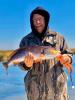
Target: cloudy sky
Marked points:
15	20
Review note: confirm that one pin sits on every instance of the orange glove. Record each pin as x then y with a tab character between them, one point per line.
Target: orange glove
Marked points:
29	60
65	60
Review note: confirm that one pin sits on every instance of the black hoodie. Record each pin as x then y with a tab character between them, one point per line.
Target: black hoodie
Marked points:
46	15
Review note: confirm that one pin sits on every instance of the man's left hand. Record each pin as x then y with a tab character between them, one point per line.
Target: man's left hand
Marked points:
66	58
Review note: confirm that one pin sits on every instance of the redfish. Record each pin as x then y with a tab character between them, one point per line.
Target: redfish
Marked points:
39	52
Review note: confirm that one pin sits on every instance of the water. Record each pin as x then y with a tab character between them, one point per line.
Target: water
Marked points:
12	84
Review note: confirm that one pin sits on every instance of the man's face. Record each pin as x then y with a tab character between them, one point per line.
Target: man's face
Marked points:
38	22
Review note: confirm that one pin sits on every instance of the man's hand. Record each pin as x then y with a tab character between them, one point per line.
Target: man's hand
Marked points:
66	58
66	61
29	60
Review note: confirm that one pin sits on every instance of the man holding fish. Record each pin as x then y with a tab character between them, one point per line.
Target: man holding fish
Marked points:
45	80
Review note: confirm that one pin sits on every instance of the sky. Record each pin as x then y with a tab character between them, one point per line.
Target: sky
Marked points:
15	20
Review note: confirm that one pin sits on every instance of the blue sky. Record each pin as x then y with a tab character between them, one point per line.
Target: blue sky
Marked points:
15	20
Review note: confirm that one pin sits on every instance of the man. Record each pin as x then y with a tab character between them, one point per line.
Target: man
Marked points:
46	80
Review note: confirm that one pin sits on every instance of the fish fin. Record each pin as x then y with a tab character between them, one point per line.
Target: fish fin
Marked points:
15	63
28	63
5	64
42	57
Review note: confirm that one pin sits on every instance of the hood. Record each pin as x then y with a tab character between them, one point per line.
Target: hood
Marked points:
45	14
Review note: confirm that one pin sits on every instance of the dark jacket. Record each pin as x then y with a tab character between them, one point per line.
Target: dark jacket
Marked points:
49	76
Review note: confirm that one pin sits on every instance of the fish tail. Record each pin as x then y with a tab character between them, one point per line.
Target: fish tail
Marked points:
5	64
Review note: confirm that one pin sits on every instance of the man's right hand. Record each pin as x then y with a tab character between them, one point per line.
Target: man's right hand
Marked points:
29	58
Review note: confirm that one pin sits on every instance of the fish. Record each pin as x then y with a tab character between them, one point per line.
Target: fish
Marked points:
15	57
39	53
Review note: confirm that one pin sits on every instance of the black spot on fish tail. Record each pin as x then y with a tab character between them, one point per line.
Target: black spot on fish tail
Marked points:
5	64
